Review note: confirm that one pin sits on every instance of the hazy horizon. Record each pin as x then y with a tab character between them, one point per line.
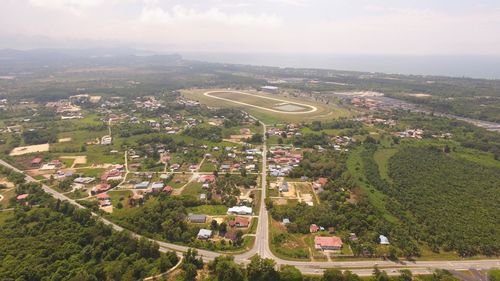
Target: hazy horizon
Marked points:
424	27
424	37
470	66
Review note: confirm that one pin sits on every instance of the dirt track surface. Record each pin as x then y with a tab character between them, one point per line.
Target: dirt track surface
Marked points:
312	107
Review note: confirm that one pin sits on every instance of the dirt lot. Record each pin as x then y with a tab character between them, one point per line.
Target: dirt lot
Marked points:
280	201
29	149
76	159
7	183
291	191
64	140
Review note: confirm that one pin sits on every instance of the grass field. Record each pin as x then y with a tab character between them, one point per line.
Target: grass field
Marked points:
91	172
193	189
116	195
211	210
286	245
7	194
376	198
382	156
323	112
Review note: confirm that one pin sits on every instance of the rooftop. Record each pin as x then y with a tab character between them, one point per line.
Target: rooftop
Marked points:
332	241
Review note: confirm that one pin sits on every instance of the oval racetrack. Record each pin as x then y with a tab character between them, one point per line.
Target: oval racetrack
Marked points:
312	108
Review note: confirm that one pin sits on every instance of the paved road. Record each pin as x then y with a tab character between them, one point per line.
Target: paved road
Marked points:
261	245
363	268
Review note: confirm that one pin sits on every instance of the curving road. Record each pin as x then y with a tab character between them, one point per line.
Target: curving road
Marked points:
312	107
261	245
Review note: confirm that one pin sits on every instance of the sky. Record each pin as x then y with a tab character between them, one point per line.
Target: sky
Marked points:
402	27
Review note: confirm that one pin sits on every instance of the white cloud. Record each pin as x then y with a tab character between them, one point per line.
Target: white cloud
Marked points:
156	15
290	2
209	25
73	6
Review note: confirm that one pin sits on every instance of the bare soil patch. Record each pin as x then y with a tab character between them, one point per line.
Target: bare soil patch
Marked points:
29	149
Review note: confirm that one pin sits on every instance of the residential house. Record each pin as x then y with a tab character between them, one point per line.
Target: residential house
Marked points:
313	228
206	178
225	167
22	197
104	199
353	237
106	140
113	175
239	222
142	185
196	218
157	186
36	162
204	234
102	187
240	210
327	243
383	240
319	184
84	180
283	187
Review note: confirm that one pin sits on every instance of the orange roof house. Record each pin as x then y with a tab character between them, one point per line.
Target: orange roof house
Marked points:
327	243
313	228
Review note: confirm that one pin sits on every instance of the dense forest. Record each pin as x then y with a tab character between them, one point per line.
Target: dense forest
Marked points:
59	242
456	200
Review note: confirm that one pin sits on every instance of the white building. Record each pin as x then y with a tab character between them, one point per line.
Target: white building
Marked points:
240	210
270	89
106	140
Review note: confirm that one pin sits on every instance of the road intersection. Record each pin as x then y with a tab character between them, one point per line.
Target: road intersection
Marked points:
261	245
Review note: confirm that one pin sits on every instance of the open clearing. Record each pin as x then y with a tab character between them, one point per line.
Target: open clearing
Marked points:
266	107
29	149
77	160
64	140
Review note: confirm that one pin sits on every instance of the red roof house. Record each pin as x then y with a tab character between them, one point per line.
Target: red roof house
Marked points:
206	178
239	222
104	176
103	196
322	181
279	152
313	228
168	189
327	243
100	188
22	196
36	161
